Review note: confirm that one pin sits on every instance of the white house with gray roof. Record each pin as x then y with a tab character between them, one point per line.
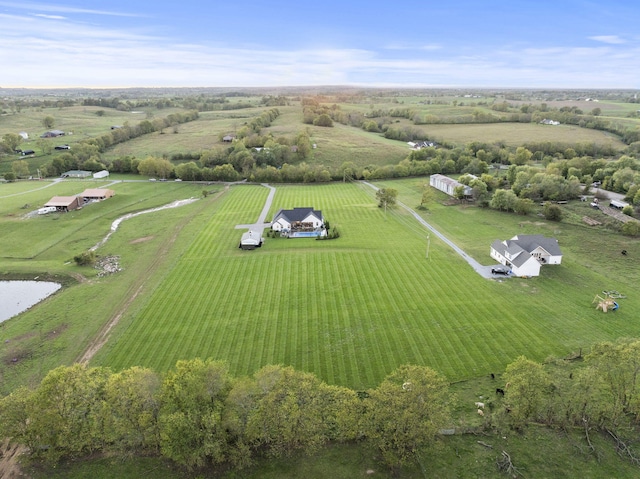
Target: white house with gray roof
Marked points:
299	222
525	254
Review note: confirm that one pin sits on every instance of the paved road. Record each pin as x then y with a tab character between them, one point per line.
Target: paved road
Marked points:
57	180
484	271
261	224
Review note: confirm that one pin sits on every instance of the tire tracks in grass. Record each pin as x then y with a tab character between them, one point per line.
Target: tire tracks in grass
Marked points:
138	285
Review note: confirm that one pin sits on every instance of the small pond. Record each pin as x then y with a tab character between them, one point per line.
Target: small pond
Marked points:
18	296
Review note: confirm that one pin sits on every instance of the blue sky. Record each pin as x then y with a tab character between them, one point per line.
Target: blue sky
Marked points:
449	43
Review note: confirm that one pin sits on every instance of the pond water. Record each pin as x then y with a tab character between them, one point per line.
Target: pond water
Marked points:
18	296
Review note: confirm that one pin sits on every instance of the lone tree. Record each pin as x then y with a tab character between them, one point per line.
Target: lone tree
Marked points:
552	212
20	168
386	197
48	121
11	141
427	197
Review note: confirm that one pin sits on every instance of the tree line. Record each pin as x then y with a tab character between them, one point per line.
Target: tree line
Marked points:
197	414
602	396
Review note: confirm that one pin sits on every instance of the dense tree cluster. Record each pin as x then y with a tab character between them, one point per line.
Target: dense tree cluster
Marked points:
197	414
603	395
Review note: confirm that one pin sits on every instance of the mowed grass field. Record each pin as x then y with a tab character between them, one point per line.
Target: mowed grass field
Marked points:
353	309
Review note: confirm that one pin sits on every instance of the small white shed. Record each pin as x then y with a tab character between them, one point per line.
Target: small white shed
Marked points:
251	240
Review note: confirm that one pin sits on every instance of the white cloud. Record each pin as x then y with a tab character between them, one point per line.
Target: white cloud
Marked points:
46	7
610	39
51	17
412	46
44	52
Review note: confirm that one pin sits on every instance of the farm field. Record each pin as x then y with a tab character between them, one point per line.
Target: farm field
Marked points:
515	134
81	121
353	309
334	145
58	330
86	225
192	137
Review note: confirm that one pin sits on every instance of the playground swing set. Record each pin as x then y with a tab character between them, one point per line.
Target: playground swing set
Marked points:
608	301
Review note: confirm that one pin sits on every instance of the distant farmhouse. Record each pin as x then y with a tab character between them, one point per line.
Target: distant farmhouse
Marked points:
96	194
448	185
76	174
64	203
299	222
546	121
52	134
524	254
418	145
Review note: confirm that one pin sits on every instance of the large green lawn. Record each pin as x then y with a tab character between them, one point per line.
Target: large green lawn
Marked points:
353	309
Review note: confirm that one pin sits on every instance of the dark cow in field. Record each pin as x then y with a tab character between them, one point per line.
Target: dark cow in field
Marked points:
500	391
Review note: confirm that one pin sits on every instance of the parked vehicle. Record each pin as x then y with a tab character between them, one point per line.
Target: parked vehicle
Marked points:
47	209
499	271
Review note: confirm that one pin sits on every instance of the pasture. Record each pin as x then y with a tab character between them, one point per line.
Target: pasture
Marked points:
516	134
192	137
335	146
58	330
351	310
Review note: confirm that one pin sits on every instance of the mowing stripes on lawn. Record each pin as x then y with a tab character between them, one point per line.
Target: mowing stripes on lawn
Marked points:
350	310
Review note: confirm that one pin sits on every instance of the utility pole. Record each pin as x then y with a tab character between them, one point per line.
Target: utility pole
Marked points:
428	244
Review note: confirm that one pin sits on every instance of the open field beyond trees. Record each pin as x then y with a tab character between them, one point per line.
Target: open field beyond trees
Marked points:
459	121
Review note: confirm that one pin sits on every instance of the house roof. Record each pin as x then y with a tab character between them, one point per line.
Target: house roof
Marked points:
297	214
251	237
62	201
97	193
531	242
77	173
513	249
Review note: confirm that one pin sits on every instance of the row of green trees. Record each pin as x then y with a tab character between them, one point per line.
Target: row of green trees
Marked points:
602	395
197	414
87	153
